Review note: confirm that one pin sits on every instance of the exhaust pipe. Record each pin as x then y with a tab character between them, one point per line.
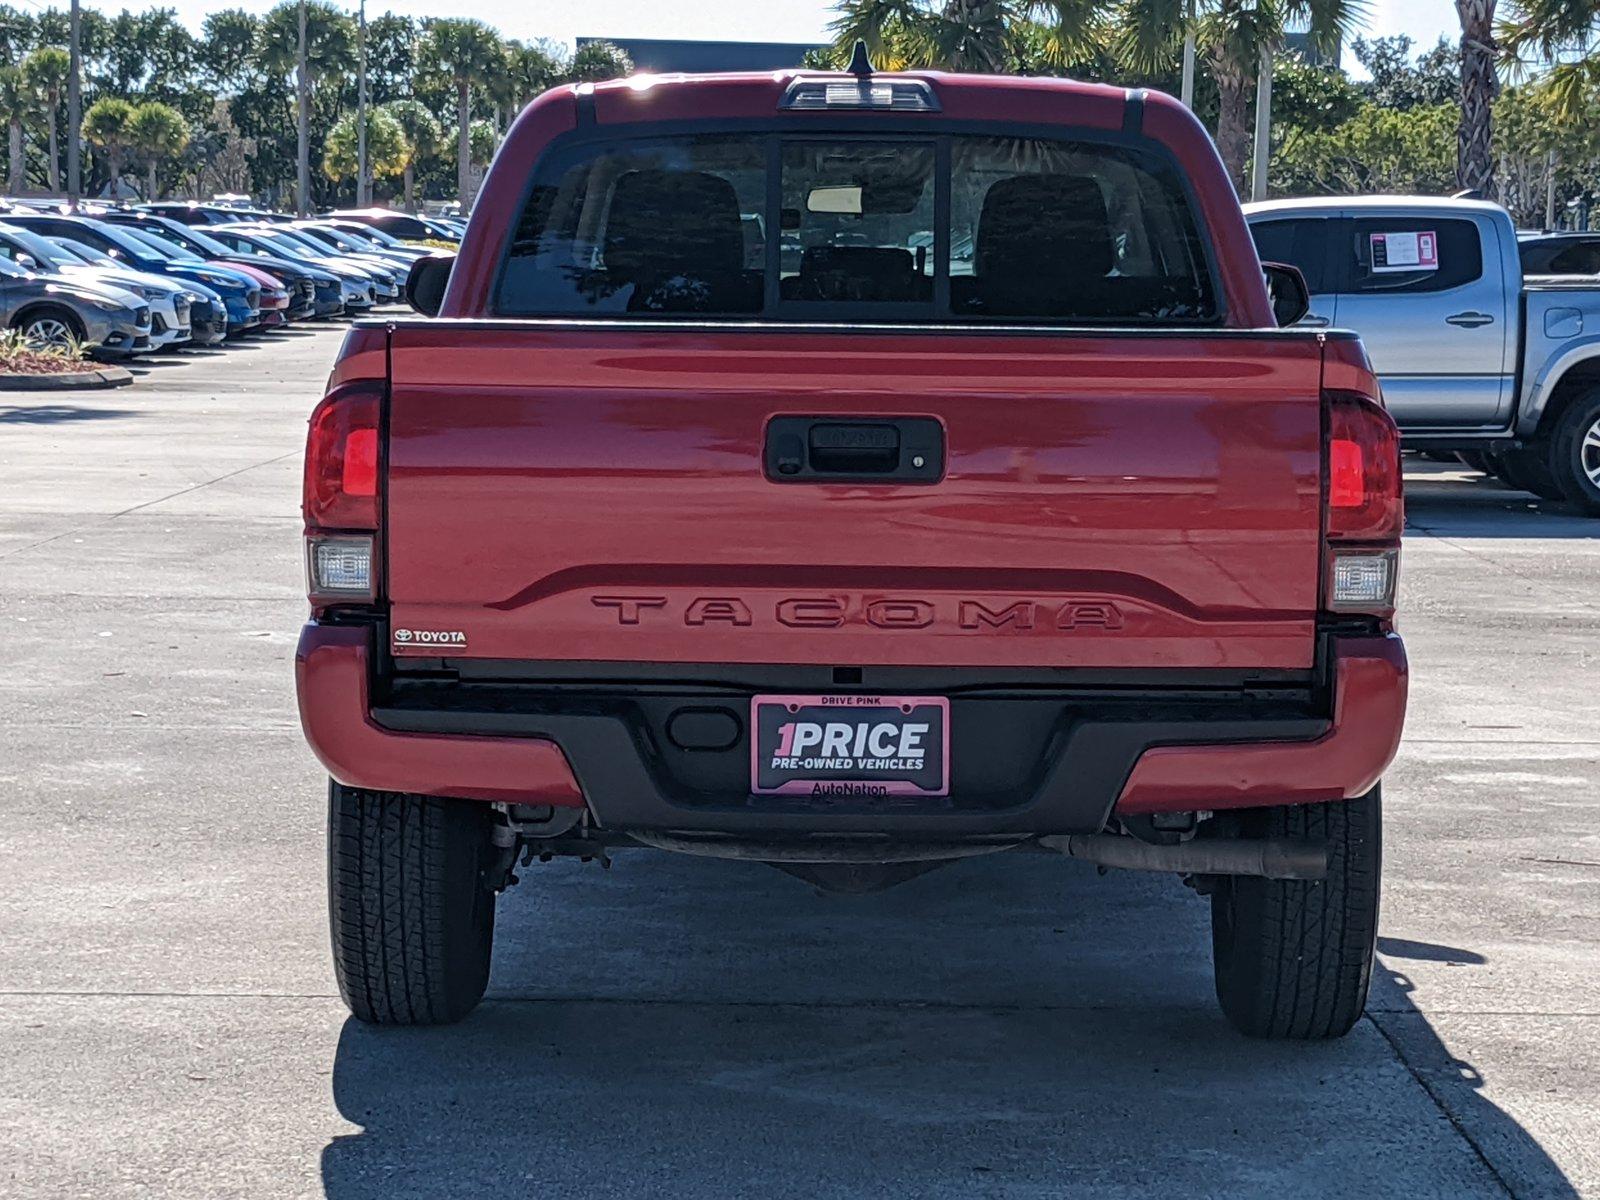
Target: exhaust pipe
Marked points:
1268	858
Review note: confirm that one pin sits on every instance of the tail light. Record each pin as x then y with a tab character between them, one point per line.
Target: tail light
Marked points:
342	503
1365	512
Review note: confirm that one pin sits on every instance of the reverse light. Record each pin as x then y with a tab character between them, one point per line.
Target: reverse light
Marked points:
1362	580
339	568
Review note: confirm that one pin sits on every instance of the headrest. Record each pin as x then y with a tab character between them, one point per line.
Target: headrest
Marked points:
673	221
1052	227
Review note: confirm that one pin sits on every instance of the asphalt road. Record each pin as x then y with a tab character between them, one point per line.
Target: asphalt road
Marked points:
1013	1026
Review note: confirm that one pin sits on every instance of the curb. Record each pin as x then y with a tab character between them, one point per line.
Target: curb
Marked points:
100	377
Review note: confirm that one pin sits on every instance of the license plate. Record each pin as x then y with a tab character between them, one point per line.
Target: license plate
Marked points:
850	746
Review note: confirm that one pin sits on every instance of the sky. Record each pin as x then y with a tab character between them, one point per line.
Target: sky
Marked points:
747	20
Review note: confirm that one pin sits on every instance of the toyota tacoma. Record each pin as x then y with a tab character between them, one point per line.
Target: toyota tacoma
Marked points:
854	472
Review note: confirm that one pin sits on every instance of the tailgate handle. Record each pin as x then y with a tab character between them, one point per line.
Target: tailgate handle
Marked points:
854	450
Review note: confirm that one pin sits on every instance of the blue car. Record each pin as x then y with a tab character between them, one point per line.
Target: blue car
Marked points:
241	295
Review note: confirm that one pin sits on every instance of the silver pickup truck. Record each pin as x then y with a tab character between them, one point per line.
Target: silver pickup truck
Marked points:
1472	356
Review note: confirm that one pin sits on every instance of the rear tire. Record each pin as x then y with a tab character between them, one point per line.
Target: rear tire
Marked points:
410	905
1476	460
1293	958
1575	453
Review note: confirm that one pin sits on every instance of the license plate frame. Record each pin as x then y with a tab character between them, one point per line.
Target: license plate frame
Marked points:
836	776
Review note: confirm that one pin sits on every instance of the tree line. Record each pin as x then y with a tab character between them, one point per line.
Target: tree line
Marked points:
1511	111
216	111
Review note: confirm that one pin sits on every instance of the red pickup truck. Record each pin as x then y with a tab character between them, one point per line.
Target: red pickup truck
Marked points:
855	473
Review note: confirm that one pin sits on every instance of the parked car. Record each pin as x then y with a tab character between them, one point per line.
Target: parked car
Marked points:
1560	253
864	569
51	312
358	290
301	279
169	302
377	238
1473	356
387	278
336	241
401	225
208	214
241	295
272	296
208	316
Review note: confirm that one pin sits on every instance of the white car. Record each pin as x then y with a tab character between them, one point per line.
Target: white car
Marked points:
169	302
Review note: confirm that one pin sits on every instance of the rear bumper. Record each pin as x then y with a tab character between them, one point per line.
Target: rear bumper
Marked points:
333	673
1082	766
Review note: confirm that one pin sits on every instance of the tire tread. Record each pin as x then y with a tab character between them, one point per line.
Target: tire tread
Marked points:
410	944
1293	958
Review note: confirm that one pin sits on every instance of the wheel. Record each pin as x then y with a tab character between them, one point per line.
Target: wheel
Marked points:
1475	459
49	328
1293	958
410	906
1575	453
1528	468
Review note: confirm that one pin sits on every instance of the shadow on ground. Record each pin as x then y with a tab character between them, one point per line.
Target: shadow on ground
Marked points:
1003	1027
1454	502
57	414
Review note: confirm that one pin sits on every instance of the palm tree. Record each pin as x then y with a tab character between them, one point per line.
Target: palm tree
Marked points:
105	126
16	105
966	35
535	69
1474	152
46	72
1564	34
596	62
467	52
157	131
422	133
1236	37
330	50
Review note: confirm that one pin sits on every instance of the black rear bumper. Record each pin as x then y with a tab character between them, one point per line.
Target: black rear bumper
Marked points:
1047	754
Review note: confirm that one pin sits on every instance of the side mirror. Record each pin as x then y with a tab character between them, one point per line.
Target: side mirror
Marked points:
425	283
28	261
1286	287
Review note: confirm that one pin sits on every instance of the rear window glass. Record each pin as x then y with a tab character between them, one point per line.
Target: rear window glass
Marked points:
814	227
1581	259
1301	244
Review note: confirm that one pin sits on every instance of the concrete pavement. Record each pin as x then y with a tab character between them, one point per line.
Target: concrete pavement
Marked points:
1011	1026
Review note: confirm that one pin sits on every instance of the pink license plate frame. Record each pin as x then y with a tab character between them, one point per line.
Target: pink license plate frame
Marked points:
850	708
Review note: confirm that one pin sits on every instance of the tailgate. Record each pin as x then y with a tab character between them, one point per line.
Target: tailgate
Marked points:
561	492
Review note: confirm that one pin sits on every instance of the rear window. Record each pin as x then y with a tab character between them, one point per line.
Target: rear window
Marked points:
1581	259
818	227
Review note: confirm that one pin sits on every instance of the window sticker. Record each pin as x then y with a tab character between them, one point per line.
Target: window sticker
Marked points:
1417	251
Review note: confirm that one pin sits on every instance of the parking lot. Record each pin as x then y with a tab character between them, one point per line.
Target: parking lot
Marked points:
1008	1026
